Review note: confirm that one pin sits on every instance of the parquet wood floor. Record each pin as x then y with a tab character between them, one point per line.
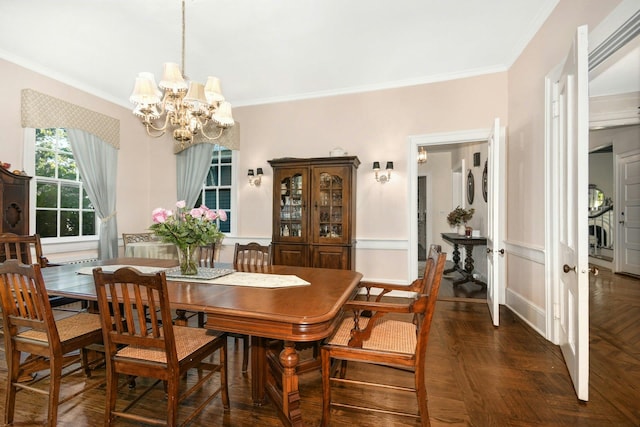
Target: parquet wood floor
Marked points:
479	375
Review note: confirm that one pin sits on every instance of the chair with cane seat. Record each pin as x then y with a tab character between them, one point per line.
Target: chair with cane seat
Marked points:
157	349
393	335
250	255
30	327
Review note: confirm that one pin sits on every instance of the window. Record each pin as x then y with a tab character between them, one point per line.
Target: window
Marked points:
217	188
62	208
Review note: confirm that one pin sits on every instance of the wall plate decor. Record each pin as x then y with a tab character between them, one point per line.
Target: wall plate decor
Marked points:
471	187
484	181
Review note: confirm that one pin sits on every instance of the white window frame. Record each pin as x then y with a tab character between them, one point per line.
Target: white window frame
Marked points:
233	216
78	242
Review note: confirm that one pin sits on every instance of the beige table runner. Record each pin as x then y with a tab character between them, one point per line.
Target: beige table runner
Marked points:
256	280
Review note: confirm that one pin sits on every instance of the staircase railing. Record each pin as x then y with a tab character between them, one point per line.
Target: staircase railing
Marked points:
601	224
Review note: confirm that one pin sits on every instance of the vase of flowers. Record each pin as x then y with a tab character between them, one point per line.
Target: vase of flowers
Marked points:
188	229
459	218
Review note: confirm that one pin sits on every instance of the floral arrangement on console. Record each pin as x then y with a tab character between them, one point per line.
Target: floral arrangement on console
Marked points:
460	216
188	229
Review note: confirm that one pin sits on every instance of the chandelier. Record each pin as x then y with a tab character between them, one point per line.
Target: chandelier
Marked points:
187	107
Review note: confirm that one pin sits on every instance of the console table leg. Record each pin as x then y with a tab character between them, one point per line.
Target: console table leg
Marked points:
456	260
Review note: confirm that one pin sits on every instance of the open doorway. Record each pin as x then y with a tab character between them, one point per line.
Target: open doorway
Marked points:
441	186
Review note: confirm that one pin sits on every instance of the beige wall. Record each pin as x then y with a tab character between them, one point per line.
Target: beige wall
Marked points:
525	150
374	126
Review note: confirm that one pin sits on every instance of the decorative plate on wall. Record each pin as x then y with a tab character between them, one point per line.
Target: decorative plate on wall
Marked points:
484	181
471	188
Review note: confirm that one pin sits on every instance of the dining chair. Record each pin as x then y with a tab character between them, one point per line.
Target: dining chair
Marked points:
25	248
30	327
393	335
157	349
136	237
253	255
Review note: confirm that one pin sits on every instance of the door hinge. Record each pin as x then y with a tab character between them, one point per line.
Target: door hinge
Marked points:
556	310
554	108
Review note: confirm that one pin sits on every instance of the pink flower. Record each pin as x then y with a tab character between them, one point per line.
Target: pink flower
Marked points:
211	215
222	214
181	204
160	215
197	212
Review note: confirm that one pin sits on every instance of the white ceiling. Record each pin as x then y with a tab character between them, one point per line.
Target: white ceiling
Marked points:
268	50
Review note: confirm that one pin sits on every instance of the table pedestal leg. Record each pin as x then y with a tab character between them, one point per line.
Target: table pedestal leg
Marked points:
273	374
456	260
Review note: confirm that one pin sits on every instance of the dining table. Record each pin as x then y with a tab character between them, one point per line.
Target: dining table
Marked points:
255	305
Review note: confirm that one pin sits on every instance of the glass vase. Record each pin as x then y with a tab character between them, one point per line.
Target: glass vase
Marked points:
187	259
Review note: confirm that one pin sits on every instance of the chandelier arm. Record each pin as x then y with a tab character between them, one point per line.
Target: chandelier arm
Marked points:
162	128
150	127
211	138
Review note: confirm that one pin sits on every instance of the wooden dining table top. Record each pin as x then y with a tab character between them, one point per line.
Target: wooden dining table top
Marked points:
301	313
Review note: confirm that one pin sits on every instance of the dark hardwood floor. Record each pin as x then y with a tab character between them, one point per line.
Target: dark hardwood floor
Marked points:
479	375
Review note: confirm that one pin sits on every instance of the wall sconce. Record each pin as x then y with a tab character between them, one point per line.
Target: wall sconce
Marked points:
422	155
255	179
382	177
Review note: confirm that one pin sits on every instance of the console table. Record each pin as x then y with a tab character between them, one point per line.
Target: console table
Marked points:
468	242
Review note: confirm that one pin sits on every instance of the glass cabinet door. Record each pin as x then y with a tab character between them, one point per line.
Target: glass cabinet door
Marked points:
292	205
329	206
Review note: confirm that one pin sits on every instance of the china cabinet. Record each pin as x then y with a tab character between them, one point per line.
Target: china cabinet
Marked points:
314	208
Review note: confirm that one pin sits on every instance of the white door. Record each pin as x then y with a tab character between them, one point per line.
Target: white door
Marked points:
629	214
495	223
572	132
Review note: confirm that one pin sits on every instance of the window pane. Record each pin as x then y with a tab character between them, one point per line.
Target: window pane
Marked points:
225	175
69	196
225	156
45	164
212	177
210	199
46	223
69	223
67	167
86	203
224	199
225	226
46	195
88	224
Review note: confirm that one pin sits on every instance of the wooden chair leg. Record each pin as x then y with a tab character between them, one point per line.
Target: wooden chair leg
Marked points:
54	391
223	376
13	366
421	395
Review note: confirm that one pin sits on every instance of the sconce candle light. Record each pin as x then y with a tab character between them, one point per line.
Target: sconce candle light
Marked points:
382	177
255	179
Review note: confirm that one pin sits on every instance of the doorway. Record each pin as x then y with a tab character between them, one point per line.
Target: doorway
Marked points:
441	185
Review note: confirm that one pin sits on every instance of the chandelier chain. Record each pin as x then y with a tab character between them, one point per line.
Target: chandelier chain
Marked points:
184	24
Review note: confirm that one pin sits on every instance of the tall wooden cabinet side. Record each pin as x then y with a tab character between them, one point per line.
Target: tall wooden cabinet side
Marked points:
14	202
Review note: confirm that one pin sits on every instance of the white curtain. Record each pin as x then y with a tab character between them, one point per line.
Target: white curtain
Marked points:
192	166
98	165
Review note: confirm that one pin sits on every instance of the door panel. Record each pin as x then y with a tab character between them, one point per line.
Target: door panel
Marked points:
495	234
629	217
572	198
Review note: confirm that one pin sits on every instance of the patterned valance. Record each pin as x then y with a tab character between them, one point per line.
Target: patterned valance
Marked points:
44	111
230	138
